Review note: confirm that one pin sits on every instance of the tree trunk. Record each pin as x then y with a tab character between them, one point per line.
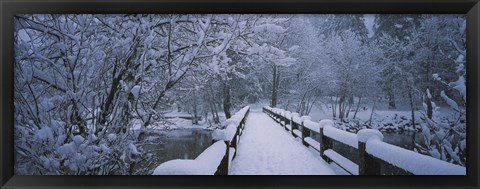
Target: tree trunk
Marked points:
334	105
213	105
274	87
195	111
226	99
217	119
114	88
358	106
213	112
428	101
76	120
309	107
410	96
350	102
301	104
373	108
341	108
391	100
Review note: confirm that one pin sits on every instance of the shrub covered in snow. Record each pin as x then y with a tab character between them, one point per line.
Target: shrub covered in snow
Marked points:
440	136
50	151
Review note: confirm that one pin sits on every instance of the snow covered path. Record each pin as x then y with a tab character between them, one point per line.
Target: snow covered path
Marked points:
265	148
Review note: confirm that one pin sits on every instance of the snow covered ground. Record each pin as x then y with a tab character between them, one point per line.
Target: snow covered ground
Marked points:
383	119
381	112
267	149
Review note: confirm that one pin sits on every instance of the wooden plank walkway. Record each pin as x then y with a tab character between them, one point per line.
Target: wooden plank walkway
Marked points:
267	149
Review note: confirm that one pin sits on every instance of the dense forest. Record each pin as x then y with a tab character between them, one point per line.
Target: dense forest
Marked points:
89	88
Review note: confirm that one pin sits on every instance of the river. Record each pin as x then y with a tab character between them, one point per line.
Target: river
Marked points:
167	145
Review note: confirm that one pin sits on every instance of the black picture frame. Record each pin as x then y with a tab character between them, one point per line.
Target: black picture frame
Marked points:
9	8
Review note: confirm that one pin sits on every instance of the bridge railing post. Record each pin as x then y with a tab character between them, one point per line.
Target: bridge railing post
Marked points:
277	117
233	143
281	118
294	125
367	164
223	167
325	142
305	131
288	117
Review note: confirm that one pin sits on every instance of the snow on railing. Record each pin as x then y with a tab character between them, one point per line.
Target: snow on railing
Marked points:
367	143
342	136
216	159
411	161
205	164
313	126
296	118
232	123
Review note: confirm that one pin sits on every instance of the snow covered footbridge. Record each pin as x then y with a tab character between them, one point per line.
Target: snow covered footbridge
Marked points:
273	141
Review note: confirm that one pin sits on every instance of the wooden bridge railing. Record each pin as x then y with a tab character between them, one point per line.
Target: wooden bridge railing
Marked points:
231	136
215	160
363	153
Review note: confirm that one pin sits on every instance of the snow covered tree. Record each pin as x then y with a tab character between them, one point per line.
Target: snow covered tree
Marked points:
57	80
351	65
439	135
393	29
303	81
89	88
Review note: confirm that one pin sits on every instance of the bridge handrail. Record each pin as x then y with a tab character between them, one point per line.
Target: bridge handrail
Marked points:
214	160
369	145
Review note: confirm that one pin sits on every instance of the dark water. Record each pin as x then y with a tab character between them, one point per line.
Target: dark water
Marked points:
402	139
173	144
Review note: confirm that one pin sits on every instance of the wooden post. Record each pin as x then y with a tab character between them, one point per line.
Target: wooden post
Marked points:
305	131
275	116
325	144
280	120
233	143
240	130
305	134
222	169
289	123
292	127
367	165
242	124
